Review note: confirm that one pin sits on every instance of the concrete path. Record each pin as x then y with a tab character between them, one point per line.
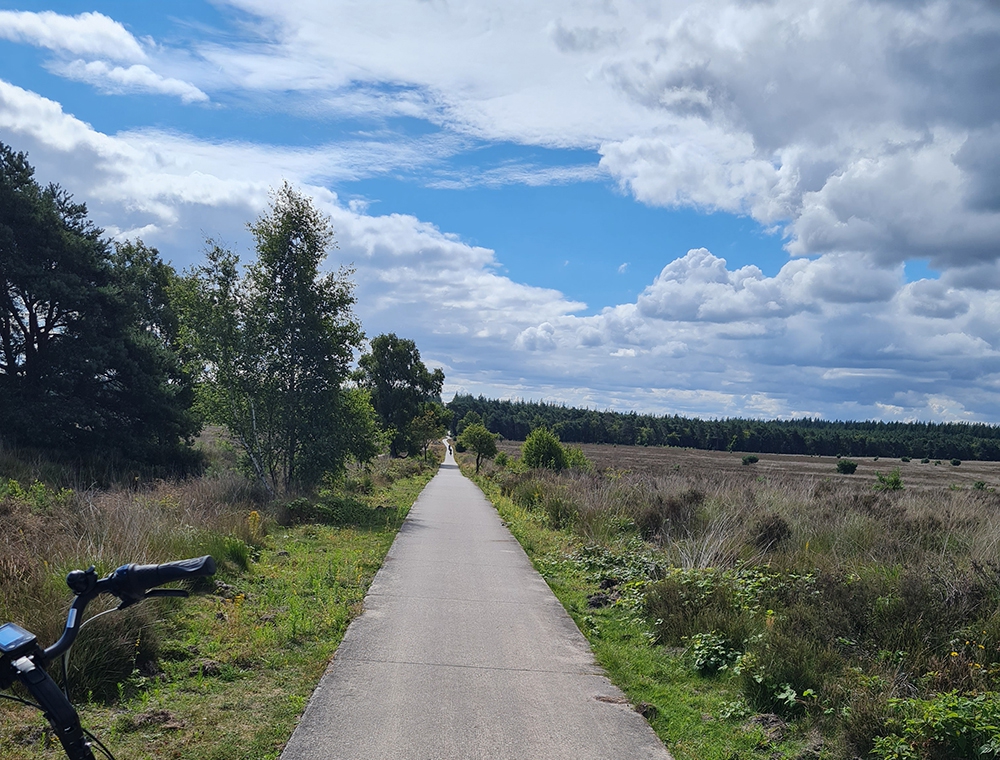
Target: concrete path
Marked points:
463	652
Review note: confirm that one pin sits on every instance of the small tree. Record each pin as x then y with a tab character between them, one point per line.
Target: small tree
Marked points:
480	440
272	349
542	449
890	482
430	426
470	418
847	466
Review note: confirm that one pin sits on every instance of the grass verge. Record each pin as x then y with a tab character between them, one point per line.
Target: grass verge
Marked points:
237	664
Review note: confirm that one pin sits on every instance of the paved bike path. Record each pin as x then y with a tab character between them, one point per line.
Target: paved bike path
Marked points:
463	653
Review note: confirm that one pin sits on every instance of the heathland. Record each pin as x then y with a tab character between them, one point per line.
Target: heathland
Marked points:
775	606
515	419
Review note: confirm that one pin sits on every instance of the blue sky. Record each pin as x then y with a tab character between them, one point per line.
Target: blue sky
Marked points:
706	208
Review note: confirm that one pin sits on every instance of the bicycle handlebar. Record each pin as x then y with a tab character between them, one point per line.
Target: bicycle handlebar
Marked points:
130	583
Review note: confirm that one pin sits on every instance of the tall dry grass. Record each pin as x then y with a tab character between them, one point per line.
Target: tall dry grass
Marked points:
47	532
831	597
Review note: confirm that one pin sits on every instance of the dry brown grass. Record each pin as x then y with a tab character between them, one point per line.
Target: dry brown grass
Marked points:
52	532
871	592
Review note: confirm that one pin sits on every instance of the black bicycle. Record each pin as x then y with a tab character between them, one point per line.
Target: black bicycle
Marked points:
22	659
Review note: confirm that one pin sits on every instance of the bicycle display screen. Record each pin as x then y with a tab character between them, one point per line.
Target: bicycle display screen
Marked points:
13	637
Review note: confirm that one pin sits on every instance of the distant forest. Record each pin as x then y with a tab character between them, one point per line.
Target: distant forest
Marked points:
952	440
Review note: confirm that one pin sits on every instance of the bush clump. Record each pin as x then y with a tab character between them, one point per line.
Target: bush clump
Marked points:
750	459
846	466
542	449
891	481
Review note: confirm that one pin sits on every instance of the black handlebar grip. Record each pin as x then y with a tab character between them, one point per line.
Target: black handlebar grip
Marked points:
132	581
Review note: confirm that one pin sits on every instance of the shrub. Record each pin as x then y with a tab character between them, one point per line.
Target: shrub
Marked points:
577	460
947	725
560	511
925	460
956	462
904	459
750	459
542	449
979	485
711	652
523	489
657	515
846	466
888	482
335	509
501	459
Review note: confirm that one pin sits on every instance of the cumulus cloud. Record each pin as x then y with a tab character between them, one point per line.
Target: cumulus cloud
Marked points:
105	45
91	34
840	335
859	128
174	190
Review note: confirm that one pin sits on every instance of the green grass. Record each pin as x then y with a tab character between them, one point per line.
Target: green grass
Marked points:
238	662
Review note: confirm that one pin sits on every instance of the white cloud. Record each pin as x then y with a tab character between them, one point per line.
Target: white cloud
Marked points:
105	45
840	336
91	34
135	78
860	125
175	190
860	128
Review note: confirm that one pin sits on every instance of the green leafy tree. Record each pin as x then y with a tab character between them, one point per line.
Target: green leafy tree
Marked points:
470	418
431	425
480	440
273	346
400	385
542	449
87	335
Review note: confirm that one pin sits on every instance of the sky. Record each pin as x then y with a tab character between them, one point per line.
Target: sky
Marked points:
755	208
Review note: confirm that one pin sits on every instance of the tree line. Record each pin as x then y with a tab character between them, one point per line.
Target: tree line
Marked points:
107	351
516	419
